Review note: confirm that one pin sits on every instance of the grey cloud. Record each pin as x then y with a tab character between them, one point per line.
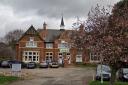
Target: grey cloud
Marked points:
54	8
22	13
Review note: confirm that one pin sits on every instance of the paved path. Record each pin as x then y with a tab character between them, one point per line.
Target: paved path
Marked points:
59	76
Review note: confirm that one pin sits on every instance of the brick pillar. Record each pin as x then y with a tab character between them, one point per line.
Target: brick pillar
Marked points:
41	55
86	60
18	56
66	62
42	52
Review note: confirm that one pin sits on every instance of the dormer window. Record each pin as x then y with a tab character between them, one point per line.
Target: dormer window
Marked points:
31	39
49	45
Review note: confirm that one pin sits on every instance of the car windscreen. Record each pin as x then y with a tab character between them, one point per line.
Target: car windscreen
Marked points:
104	68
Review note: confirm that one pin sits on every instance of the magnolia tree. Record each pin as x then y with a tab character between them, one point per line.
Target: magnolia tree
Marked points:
108	35
78	35
117	37
96	26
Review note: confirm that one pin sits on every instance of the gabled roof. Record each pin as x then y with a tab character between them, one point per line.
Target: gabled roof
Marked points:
31	31
52	34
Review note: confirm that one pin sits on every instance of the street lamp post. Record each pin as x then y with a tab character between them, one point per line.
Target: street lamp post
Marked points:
101	69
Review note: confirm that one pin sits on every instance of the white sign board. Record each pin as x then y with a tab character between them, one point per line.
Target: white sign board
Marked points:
64	50
16	67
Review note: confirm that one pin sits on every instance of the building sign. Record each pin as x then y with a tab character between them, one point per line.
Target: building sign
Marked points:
62	50
16	67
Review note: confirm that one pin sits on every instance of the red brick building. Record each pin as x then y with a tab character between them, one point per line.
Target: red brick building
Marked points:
48	45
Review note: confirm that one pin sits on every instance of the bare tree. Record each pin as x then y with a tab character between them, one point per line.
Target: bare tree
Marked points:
6	52
12	37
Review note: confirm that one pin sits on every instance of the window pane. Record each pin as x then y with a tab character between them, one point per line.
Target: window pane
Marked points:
30	53
50	53
34	58
37	58
30	58
60	53
25	58
47	53
34	53
26	53
68	53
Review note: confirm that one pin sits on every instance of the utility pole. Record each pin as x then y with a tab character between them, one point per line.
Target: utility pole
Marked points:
101	68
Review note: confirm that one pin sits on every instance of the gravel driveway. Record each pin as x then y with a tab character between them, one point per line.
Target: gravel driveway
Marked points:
56	76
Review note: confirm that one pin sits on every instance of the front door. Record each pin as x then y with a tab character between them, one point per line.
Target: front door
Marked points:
60	58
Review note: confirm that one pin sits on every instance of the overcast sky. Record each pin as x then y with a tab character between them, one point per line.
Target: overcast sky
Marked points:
20	14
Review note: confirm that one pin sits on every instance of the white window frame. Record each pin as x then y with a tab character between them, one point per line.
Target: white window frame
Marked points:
49	45
79	59
27	55
31	43
96	59
31	38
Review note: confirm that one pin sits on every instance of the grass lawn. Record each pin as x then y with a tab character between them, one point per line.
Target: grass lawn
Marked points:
107	83
4	80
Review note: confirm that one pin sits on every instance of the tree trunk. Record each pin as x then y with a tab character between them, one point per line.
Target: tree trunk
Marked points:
113	76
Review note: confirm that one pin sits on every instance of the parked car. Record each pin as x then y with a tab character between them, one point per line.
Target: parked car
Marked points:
31	65
43	64
123	74
54	65
23	65
103	70
13	62
5	64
